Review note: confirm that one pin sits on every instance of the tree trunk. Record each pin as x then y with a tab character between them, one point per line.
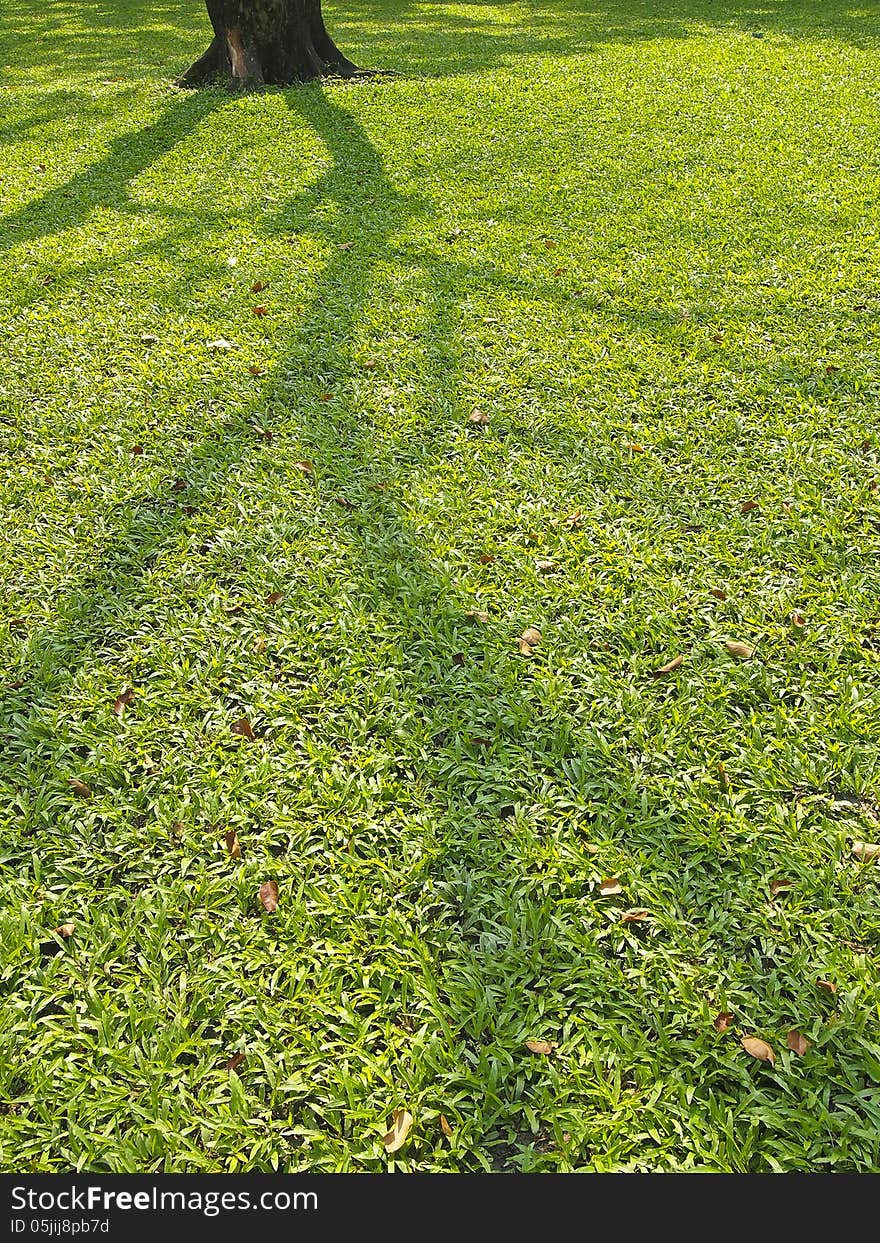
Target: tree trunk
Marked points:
267	41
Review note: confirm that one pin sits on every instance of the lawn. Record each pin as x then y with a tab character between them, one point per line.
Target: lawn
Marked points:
265	576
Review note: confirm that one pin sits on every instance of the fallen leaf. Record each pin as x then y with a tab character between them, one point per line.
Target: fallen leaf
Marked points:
477	615
636	448
723	1021
255	370
669	667
268	895
401	1123
377	487
574	520
549	243
544	1047
148	338
717	337
243	728
259	643
797	1042
233	845
610	886
275	597
530	635
759	1049
79	787
777	885
137	450
458	658
830	369
179	485
64	930
260	311
325	397
798	621
633	917
748	506
258	286
866	850
827	986
122	701
740	650
344	502
591	848
478	416
235	1061
544	567
345	245
718	593
370	364
47	280
304	468
787	506
220	344
445	1127
264	434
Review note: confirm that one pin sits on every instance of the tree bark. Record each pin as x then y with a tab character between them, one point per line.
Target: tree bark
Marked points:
267	41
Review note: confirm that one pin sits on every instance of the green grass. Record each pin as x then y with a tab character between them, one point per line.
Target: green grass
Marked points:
605	224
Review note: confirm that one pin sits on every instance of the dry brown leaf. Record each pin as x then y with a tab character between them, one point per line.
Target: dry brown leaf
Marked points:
137	450
574	520
445	1127
591	848
633	917
275	597
748	506
610	886
718	593
122	701
401	1122
544	1047
64	930
253	369
723	1021
79	787
759	1049
478	416
345	503
741	650
797	1042
798	621
458	658
866	850
235	1061
268	895
788	506
305	468
260	311
258	286
777	885
233	845
486	559
243	729
827	986
636	448
259	643
545	566
669	667
370	365
531	635
477	615
346	245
